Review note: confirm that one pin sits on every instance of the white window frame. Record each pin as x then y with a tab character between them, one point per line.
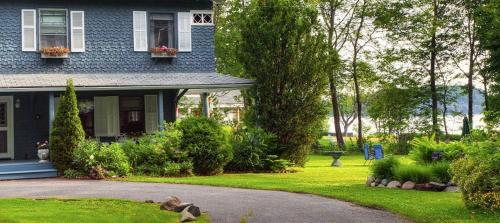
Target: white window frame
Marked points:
40	26
34	27
144	32
202	12
73	28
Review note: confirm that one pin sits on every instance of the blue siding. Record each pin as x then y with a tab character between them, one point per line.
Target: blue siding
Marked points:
108	39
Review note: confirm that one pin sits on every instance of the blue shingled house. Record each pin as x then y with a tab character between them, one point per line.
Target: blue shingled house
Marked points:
130	61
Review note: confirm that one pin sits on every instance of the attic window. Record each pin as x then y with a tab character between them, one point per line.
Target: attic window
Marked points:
202	18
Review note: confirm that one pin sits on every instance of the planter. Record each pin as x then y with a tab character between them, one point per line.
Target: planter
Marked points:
43	155
163	55
62	56
336	156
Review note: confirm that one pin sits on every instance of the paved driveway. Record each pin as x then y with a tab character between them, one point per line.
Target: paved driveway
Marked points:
223	204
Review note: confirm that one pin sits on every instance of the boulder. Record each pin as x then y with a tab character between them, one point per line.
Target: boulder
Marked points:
377	181
149	201
170	203
194	210
438	186
394	184
380	185
370	180
384	182
182	206
408	185
186	216
453	189
373	184
425	187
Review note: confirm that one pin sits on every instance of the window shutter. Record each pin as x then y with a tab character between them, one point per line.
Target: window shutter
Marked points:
106	116
140	31
28	32
77	31
184	31
151	113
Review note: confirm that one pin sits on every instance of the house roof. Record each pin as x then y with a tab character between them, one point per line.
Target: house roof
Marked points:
123	81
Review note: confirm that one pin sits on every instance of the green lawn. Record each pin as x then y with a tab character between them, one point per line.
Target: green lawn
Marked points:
83	210
347	183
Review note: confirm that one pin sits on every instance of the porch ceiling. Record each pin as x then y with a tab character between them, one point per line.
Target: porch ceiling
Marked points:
121	81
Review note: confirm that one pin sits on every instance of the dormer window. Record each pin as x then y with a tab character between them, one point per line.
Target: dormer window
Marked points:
162	30
53	28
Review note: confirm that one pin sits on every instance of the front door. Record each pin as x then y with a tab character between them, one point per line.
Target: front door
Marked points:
6	127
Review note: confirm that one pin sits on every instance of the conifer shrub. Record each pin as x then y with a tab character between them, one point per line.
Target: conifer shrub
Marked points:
67	131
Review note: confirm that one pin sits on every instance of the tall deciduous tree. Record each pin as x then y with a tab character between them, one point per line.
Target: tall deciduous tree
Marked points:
284	52
67	131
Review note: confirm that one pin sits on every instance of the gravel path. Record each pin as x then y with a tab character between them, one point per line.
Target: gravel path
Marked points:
222	203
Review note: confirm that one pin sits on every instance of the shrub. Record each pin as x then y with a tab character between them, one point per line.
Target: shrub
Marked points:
415	173
67	131
272	164
477	174
84	156
423	149
440	171
205	142
250	147
73	174
112	158
91	154
383	169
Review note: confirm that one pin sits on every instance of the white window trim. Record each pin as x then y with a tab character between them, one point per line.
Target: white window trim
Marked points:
40	25
72	28
34	27
144	15
202	12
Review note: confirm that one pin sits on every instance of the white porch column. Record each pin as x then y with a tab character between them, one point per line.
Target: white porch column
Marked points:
161	115
205	104
52	111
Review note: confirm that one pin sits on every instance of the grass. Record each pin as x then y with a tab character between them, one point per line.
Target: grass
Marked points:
346	183
83	210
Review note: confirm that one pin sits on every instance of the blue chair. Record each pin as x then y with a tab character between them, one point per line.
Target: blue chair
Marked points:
368	156
379	152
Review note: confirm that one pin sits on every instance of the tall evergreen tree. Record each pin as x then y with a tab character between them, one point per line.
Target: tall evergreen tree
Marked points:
67	131
283	50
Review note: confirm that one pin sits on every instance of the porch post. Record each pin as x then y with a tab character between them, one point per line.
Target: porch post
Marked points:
161	115
205	103
52	110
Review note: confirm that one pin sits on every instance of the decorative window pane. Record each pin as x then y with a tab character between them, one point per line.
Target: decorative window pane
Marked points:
202	18
162	30
53	28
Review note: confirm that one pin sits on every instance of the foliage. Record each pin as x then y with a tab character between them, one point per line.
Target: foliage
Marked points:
92	154
73	174
440	171
112	158
67	131
415	173
250	148
478	176
275	165
206	143
384	168
426	150
284	52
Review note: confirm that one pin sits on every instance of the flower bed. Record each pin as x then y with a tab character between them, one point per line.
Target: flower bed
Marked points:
55	52
163	52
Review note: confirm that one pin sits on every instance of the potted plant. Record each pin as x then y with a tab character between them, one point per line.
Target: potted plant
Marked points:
55	52
43	151
163	52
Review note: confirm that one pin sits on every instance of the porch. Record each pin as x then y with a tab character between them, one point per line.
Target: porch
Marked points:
25	169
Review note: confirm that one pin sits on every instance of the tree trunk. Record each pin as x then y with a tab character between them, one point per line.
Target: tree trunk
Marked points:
358	101
333	88
336	113
470	86
485	84
432	72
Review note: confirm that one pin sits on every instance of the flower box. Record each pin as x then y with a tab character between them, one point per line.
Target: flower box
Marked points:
55	52
163	52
